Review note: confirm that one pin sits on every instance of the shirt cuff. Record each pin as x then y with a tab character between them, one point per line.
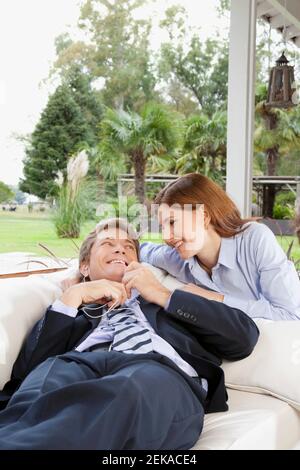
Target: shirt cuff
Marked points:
168	302
60	307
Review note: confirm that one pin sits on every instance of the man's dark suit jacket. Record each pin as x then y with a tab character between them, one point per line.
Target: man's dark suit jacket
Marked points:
202	331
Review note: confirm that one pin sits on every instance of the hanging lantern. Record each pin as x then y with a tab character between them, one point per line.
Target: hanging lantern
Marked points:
281	85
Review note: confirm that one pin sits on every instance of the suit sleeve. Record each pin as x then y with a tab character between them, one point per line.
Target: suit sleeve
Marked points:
50	336
225	331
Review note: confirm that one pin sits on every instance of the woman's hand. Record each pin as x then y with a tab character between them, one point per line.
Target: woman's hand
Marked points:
141	278
207	294
102	292
71	280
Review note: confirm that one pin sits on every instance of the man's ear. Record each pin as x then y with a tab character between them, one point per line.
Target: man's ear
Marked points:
84	269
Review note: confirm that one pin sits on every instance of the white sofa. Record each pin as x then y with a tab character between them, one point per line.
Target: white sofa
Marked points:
264	389
253	422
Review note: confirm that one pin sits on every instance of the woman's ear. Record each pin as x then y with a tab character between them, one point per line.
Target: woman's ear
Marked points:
207	219
202	218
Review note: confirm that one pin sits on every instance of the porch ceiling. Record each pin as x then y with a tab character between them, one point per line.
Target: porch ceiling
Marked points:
280	13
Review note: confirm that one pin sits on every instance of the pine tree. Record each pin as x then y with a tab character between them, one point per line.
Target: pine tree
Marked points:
62	129
87	99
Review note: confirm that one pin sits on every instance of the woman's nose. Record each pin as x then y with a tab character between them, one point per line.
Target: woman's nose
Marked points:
168	234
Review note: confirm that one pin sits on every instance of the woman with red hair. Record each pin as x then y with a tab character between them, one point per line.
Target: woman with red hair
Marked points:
219	255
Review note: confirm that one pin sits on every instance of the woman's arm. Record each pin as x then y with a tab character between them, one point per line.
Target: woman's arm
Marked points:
205	293
167	258
278	284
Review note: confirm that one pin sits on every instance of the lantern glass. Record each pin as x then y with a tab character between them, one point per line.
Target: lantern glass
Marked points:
278	84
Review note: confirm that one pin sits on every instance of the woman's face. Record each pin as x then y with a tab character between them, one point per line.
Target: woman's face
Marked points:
183	228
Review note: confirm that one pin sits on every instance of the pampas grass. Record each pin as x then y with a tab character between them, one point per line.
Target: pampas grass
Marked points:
73	198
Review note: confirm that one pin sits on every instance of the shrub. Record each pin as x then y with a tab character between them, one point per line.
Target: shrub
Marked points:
286	197
283	212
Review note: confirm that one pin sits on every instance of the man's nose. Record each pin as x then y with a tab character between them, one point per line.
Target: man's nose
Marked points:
119	249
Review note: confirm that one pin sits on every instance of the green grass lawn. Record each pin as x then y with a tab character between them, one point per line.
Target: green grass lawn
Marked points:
22	231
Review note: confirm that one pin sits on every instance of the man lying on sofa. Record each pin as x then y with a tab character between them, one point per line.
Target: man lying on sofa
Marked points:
120	362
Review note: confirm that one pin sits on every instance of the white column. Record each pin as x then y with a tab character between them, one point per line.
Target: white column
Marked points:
241	97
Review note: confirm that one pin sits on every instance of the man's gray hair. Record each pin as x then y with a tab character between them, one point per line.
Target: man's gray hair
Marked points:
115	223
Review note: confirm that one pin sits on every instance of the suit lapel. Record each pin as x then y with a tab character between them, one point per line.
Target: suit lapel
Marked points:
81	320
150	311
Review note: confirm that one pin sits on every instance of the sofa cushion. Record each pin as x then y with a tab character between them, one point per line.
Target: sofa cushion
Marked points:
253	421
23	303
274	366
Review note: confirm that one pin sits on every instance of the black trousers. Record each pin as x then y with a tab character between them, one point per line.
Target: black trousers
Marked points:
104	400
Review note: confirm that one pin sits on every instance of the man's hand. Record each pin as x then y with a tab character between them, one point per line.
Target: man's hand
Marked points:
102	292
207	294
141	278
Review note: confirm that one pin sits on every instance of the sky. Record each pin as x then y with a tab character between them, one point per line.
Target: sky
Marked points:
28	29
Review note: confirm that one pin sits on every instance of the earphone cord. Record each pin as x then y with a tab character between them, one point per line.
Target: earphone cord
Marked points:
102	306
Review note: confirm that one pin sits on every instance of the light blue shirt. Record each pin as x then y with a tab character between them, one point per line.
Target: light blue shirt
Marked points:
104	332
252	272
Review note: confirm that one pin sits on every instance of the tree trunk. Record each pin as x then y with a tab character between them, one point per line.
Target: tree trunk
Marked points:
139	163
270	190
297	220
269	194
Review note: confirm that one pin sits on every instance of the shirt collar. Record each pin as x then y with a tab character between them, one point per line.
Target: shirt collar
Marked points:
134	294
227	254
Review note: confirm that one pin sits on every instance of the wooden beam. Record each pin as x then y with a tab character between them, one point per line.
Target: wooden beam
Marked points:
263	8
292	32
279	21
281	13
291	13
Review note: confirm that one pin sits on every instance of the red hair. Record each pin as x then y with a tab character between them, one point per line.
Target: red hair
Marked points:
194	189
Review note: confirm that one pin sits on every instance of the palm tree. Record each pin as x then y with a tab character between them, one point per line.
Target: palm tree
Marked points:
204	148
277	134
131	138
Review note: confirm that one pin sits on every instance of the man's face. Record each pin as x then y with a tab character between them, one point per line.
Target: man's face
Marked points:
111	254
